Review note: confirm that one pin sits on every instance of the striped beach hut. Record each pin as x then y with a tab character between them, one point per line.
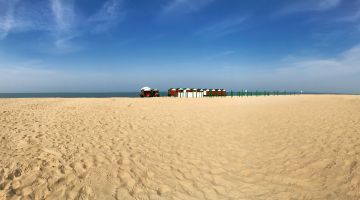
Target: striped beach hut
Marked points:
180	92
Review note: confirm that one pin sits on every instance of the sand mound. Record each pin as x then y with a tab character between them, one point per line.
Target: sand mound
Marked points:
284	147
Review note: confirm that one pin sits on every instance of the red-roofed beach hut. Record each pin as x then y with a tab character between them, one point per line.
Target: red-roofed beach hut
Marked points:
172	92
145	92
180	92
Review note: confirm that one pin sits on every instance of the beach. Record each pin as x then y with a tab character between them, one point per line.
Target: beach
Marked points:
272	147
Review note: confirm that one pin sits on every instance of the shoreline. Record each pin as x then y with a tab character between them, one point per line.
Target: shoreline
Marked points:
104	95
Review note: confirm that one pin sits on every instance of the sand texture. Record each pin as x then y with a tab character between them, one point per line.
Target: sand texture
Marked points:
282	147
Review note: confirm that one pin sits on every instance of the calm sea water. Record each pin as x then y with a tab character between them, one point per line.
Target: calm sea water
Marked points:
73	95
91	95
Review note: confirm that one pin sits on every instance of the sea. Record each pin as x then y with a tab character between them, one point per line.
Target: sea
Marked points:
74	95
96	95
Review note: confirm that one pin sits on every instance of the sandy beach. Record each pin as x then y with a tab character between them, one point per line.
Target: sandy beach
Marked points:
277	147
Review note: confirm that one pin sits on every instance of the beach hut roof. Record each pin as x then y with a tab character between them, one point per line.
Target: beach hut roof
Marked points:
146	89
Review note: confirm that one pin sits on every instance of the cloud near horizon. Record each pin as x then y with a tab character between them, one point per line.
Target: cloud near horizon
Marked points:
310	75
314	75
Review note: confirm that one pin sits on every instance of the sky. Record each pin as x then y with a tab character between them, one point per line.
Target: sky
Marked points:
123	45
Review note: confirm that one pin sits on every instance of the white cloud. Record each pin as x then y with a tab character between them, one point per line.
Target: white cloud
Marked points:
339	74
345	64
355	17
64	14
57	18
21	16
110	15
185	6
222	28
51	16
310	5
7	18
327	4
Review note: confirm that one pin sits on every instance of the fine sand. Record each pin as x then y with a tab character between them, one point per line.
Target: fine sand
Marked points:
277	147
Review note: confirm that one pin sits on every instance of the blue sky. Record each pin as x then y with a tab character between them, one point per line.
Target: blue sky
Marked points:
122	45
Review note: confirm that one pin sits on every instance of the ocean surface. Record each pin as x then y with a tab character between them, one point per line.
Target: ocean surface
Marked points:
100	95
73	95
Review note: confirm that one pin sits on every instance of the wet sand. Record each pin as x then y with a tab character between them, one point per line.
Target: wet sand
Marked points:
282	147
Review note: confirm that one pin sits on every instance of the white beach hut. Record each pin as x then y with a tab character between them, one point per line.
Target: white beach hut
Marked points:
201	93
196	93
187	93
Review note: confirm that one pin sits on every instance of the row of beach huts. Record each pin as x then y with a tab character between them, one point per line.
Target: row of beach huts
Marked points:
199	93
195	93
184	92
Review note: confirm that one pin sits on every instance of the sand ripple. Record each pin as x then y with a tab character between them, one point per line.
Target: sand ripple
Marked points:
294	147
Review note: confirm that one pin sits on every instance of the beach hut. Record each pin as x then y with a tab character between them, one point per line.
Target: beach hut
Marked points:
219	92
223	93
172	92
187	93
197	93
180	92
145	92
155	93
213	92
206	92
201	93
193	93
